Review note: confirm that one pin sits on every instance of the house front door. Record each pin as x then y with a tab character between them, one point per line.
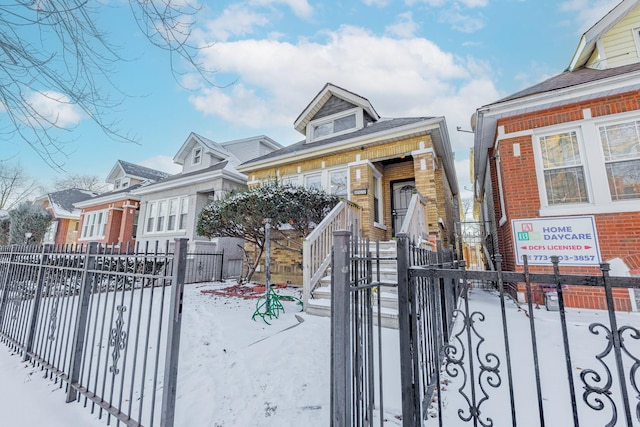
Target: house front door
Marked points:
401	196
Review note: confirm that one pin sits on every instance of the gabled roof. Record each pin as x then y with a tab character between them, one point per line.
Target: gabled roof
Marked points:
381	130
589	39
303	146
323	96
135	171
112	196
62	202
571	78
210	147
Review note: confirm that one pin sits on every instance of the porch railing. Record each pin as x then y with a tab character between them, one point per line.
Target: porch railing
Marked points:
415	221
316	249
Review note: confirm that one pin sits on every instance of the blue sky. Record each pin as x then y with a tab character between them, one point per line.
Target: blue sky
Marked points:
409	58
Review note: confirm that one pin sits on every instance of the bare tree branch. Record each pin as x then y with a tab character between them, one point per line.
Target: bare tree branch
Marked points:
53	56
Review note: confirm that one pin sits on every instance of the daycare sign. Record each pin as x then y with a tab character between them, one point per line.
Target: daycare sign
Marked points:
573	239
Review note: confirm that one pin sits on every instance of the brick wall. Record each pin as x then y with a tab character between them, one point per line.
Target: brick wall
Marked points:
618	233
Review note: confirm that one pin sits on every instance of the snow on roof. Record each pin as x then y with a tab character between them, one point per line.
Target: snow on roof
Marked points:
141	171
61	202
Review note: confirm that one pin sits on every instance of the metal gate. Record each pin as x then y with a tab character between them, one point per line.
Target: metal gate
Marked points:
509	364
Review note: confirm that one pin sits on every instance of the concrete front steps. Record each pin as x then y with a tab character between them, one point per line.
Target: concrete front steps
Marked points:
320	302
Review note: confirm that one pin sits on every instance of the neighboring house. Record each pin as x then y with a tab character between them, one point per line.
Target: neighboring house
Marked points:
557	165
170	207
65	217
112	217
377	163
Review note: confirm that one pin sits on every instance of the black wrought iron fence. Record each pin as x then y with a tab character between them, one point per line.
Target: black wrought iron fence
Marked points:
104	325
507	363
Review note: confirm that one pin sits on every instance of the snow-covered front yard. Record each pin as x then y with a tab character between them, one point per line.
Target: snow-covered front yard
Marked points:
235	371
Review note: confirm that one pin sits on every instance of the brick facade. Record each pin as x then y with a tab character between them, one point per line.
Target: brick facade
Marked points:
396	161
618	233
119	229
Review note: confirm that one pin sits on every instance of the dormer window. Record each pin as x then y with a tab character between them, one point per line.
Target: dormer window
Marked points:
336	124
197	155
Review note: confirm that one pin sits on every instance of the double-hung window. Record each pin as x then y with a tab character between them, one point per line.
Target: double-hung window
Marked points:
94	224
167	215
151	217
563	169
621	150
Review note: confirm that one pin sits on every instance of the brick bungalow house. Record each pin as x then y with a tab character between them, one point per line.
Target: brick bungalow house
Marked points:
376	163
65	216
112	217
557	165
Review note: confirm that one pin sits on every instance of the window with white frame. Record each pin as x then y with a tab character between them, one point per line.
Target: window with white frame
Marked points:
338	183
50	235
621	149
95	224
336	124
563	169
313	181
162	212
167	215
151	217
173	212
377	199
184	211
291	180
197	156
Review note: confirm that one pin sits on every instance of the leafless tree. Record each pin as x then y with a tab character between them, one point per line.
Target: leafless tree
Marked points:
15	186
82	182
53	52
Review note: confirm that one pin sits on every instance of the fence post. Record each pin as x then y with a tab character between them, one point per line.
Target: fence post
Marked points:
81	321
173	334
5	285
406	301
28	346
340	331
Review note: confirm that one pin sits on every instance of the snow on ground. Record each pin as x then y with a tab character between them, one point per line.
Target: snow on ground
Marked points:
235	371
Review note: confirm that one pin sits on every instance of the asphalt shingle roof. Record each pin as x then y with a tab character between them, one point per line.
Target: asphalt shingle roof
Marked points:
63	201
571	78
142	172
379	126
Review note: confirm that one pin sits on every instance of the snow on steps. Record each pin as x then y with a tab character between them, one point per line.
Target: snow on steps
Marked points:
320	302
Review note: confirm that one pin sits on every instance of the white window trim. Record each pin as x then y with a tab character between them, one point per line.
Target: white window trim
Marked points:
636	38
333	117
597	184
196	155
377	181
177	230
325	178
96	232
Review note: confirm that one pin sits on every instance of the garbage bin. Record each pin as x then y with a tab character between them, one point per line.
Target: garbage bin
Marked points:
551	301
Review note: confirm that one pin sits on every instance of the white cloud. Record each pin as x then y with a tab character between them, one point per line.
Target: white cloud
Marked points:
161	163
301	8
404	27
462	22
456	4
56	108
401	77
475	3
236	20
379	3
587	12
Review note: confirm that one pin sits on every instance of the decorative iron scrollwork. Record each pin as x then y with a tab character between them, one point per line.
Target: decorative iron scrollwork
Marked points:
53	316
118	339
597	385
488	363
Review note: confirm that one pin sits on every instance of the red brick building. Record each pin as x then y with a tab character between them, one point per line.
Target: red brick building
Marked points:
557	165
65	217
112	217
